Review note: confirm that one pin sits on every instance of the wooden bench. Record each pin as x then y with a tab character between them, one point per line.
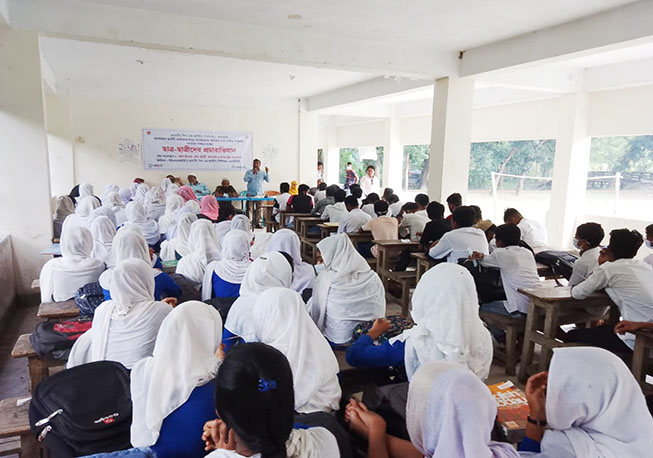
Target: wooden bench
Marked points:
268	218
387	253
406	280
308	241
642	360
15	434
38	367
58	310
326	229
424	263
513	327
284	215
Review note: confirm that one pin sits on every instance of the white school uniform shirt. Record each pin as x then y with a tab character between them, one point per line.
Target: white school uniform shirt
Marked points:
334	213
459	243
518	270
319	195
353	221
649	259
369	185
369	209
413	223
533	233
584	266
629	283
396	208
282	200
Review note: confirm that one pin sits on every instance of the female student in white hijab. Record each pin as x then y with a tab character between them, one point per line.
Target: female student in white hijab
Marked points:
141	192
450	413
129	243
124	328
172	390
280	320
104	211
241	222
103	231
203	249
591	406
271	270
223	278
137	217
83	215
125	195
287	241
64	207
346	293
447	328
177	247
109	188
85	190
60	278
155	203
193	206
169	219
114	202
254	399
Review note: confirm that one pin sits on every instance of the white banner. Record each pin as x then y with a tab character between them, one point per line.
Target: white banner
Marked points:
169	149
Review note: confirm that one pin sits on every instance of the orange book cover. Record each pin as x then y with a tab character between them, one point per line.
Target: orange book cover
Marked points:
512	405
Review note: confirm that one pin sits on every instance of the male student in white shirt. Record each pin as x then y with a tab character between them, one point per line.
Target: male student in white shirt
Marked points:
395	205
413	222
649	244
462	240
628	282
281	201
355	219
334	213
532	232
588	240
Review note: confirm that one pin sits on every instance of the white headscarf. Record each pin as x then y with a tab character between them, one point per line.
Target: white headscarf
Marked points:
141	192
165	183
281	320
221	229
125	195
128	243
104	211
594	407
169	219
447	325
172	189
347	289
60	278
450	413
288	241
183	359
203	249
241	222
234	259
194	206
155	201
132	187
85	190
180	242
271	270
112	200
64	208
137	217
83	214
124	328
109	188
103	231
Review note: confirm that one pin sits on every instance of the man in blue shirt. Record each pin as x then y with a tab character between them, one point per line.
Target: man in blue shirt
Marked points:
254	179
200	189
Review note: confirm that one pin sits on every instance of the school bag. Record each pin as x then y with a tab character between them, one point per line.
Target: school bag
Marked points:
560	262
88	298
489	285
54	340
83	410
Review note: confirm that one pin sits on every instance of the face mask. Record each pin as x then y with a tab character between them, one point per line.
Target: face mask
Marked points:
649	244
577	244
319	268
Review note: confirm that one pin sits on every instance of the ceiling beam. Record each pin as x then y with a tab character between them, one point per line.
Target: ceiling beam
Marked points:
608	30
619	75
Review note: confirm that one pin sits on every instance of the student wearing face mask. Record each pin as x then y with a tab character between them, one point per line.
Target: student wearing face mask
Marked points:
587	239
649	244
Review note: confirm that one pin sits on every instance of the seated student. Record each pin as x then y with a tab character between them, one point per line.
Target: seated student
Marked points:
627	281
294	190
109	188
450	413
60	278
281	201
172	390
413	222
287	241
445	311
387	192
346	293
588	240
155	203
254	399
462	240
649	244
532	232
321	204
86	190
186	192
490	229
125	327
383	227
130	244
241	223
225	189
281	321
518	271
479	213
177	247
336	212
227	213
224	277
354	219
203	249
168	221
454	201
103	231
136	217
321	192
104	211
114	202
356	191
588	405
193	206
64	207
200	189
436	227
395	205
209	209
302	202
83	214
141	193
368	204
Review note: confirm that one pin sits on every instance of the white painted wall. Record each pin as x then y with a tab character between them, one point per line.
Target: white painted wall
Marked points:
7	285
60	144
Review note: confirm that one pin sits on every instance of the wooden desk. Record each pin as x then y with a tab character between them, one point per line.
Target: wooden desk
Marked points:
56	310
641	355
38	367
283	215
357	237
387	251
327	229
424	263
549	308
308	241
268	218
14	424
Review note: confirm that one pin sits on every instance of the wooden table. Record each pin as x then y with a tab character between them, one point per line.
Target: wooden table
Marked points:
424	263
268	218
38	367
307	241
56	310
286	214
387	251
641	355
327	229
15	433
549	308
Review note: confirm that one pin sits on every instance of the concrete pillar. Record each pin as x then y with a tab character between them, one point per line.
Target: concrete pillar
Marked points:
393	156
450	137
332	157
60	144
24	181
308	144
570	168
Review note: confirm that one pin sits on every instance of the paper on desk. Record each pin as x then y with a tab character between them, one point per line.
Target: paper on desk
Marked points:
21	401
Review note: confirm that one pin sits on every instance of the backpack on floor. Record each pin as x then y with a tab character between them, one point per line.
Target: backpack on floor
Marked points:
560	262
489	285
54	340
83	410
88	298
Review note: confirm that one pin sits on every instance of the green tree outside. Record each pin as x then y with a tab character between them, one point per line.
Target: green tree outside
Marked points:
360	165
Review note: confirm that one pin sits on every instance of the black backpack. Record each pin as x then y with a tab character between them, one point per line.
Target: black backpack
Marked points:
83	410
88	298
54	340
489	285
560	262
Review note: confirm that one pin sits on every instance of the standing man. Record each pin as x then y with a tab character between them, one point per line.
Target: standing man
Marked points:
350	176
320	173
369	183
254	179
200	189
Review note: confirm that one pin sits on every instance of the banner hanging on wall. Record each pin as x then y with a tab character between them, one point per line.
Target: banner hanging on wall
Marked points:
169	149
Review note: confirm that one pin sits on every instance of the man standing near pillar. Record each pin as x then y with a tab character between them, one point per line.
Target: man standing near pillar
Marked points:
254	179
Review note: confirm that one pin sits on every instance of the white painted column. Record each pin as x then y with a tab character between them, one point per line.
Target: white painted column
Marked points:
24	182
450	137
332	157
308	143
60	144
570	168
393	156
